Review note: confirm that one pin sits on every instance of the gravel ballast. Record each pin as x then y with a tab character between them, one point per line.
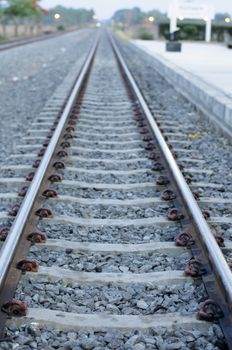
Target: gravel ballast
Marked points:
109	211
129	165
132	234
30	76
29	337
107	193
113	298
211	147
113	178
109	262
87	292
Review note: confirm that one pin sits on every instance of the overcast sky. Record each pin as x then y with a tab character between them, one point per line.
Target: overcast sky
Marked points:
106	8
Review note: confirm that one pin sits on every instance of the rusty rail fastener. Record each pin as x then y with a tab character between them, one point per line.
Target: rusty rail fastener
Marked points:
141	124
149	146
65	144
168	195
220	241
210	311
41	152
73	117
147	138
67	136
37	237
50	193
44	213
23	191
154	156
70	129
15	308
206	214
36	163
175	214
188	179
184	239
196	195
59	165
55	178
195	268
27	265
162	180
4	233
72	122
14	210
157	167
144	131
30	176
62	154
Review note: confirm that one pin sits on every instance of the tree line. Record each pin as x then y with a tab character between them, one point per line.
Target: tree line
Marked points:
70	16
30	13
135	16
20	11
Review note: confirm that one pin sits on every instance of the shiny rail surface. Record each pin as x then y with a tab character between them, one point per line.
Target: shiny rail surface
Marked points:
8	250
87	131
220	267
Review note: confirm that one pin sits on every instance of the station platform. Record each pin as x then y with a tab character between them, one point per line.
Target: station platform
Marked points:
202	72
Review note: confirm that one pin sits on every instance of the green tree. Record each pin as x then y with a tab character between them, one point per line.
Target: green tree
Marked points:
19	9
143	34
129	17
135	16
159	16
191	31
69	16
2	16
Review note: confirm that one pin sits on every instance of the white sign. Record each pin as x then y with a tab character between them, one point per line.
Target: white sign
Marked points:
191	9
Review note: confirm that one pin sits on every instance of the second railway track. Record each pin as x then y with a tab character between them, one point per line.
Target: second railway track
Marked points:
122	256
22	42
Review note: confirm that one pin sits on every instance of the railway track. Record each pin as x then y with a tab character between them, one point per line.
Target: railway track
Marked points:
22	42
109	248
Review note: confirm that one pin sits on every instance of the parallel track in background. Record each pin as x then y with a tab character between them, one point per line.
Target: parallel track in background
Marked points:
22	42
117	192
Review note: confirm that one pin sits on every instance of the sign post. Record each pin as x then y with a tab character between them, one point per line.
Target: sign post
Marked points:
208	30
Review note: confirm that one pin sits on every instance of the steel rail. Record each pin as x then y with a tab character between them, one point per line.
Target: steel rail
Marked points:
8	249
219	265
